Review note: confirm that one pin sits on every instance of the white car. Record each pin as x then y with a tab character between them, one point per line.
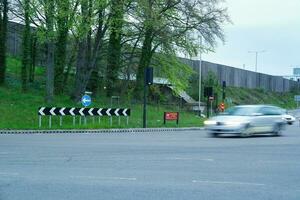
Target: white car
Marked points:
247	120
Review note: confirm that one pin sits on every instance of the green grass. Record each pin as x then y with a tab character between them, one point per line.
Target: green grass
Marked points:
259	96
19	111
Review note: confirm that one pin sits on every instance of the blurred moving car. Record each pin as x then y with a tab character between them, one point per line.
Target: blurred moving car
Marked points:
290	119
247	120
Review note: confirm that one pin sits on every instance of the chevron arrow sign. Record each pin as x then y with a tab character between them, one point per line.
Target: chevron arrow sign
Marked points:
51	111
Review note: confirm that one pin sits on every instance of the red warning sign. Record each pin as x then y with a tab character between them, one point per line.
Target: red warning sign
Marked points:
171	116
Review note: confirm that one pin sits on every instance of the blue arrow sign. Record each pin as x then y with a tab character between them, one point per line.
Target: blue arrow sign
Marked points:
86	100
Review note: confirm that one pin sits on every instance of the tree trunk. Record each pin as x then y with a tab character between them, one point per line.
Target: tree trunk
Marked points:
144	62
50	73
3	35
69	65
87	56
80	72
61	44
114	48
49	9
26	48
94	81
33	57
84	54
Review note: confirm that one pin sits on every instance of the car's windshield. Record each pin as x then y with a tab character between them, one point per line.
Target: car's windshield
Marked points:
241	111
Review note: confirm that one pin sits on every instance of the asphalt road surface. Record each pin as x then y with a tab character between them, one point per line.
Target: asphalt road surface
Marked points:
142	166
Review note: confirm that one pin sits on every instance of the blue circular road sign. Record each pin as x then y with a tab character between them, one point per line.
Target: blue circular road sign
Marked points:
86	100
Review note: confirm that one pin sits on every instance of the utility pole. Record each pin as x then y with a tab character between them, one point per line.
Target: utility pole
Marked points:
256	57
148	80
200	71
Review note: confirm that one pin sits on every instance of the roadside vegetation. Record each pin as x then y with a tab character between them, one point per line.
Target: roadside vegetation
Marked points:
19	109
241	96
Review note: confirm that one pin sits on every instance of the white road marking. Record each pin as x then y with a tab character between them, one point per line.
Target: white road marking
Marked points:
228	182
8	174
4	153
105	178
182	158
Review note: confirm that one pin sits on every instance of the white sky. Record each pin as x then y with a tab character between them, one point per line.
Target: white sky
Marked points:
270	25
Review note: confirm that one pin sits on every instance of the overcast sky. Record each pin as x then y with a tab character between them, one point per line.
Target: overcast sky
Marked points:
270	25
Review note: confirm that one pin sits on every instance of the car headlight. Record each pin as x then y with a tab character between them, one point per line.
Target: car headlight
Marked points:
210	122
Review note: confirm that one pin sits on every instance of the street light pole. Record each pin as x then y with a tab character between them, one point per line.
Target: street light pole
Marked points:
200	71
256	56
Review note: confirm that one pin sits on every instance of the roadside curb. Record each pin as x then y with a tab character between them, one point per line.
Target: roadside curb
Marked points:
95	131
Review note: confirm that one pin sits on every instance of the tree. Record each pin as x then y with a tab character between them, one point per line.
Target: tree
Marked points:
171	26
3	34
26	57
89	45
114	44
64	21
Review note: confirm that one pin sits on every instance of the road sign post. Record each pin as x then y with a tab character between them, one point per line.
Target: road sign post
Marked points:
211	99
86	101
297	99
148	80
223	90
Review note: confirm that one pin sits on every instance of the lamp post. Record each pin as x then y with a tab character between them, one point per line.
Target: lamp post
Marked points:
256	56
200	71
200	66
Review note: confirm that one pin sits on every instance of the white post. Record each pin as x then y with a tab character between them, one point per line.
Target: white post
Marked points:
256	57
50	121
40	121
256	53
211	105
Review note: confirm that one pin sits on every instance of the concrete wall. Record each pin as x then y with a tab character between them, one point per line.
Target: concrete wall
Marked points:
243	78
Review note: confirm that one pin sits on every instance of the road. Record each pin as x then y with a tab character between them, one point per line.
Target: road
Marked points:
144	166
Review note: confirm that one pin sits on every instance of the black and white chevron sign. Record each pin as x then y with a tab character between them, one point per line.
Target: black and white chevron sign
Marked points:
83	111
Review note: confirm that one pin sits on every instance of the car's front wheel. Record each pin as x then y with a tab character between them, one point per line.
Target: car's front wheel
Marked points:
246	131
213	135
277	129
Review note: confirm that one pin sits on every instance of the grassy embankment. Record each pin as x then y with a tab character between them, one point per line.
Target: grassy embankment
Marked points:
18	110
